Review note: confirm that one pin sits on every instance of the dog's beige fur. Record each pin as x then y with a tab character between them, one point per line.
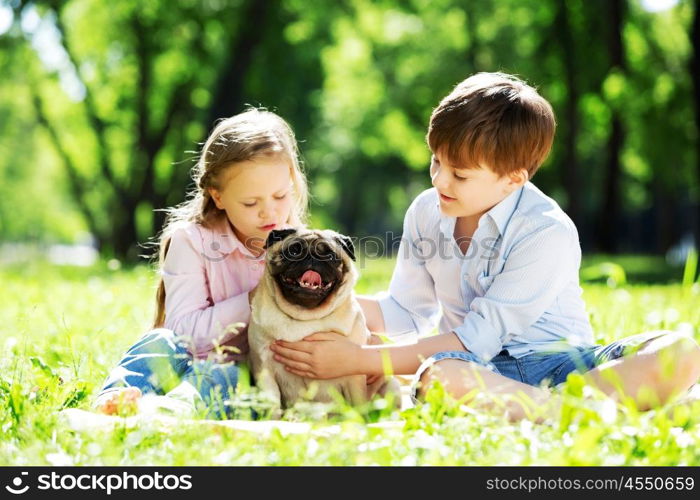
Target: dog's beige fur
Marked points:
274	318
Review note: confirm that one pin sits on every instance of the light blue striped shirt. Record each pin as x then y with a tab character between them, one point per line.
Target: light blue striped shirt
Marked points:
516	288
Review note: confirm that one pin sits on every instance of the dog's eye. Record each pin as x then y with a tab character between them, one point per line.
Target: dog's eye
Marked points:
295	250
323	251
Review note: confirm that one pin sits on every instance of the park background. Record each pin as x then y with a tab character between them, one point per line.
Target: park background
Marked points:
103	106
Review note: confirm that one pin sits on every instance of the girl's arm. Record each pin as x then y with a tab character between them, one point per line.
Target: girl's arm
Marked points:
330	355
189	310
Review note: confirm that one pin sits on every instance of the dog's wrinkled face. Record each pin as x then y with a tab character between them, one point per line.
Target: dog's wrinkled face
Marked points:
308	266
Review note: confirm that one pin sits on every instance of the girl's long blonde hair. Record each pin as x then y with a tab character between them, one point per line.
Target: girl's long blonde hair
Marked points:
246	136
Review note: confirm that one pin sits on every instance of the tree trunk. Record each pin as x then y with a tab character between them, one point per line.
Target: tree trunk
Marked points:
473	50
124	237
348	212
610	214
571	173
665	233
609	218
120	236
695	75
228	94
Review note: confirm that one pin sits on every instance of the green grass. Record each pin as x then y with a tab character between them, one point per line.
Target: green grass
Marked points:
63	329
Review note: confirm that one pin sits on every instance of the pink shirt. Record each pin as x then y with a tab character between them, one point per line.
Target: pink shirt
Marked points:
207	275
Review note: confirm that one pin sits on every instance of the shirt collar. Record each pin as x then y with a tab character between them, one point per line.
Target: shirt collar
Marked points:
503	211
500	213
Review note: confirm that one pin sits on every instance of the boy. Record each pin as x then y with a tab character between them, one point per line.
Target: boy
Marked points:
500	260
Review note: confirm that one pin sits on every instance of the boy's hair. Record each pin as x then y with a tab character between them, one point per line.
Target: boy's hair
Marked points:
255	133
494	120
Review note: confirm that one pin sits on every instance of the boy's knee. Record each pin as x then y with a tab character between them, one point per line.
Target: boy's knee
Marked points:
666	340
680	347
677	362
687	352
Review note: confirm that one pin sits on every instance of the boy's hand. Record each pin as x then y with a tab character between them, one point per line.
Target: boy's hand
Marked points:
374	340
322	355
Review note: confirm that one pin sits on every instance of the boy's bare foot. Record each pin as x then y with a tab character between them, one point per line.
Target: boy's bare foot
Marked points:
120	401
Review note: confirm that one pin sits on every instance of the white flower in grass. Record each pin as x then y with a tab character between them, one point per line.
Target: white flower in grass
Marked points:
682	438
311	447
622	296
685	328
224	458
59	459
567	440
671	315
93	449
608	411
422	439
654	318
134	438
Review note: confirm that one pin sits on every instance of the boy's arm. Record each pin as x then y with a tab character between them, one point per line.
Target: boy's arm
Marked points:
330	355
535	272
411	305
373	314
404	359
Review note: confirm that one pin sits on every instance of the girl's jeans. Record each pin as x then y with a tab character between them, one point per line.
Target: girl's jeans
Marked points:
159	363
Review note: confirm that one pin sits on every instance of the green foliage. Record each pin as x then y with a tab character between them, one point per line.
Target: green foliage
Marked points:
72	324
614	273
691	267
356	79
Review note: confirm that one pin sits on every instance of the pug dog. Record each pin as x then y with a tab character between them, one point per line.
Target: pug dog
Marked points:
307	287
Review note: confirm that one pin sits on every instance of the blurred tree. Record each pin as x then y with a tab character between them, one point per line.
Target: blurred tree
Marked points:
609	215
136	84
154	78
695	75
658	182
387	66
569	56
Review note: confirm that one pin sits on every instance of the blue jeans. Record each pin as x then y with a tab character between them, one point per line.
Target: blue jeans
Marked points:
549	367
159	362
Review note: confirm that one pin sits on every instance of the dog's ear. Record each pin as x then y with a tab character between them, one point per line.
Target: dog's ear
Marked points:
277	235
346	243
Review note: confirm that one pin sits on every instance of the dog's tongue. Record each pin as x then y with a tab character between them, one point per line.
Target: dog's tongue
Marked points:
311	279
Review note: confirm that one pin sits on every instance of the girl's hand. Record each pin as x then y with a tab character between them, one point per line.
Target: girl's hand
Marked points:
374	340
322	355
235	349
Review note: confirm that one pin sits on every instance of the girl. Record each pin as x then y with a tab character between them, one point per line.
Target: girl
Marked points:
211	255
